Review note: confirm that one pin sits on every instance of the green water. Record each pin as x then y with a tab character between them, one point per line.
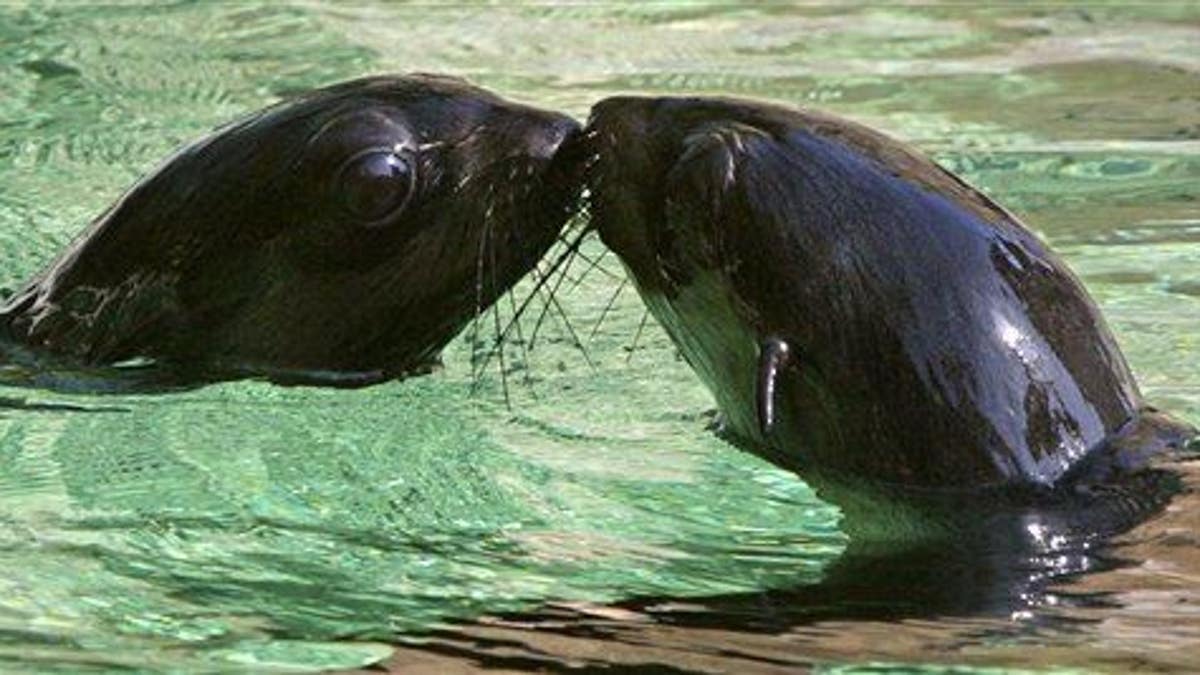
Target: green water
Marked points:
248	526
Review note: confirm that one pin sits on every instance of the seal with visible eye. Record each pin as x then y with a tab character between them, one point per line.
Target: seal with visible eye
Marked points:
343	237
856	310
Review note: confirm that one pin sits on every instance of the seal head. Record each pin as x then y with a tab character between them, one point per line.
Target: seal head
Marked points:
344	236
856	309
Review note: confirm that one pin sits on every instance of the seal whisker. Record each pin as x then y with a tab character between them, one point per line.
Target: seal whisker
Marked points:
574	252
474	335
526	378
499	341
594	264
498	348
611	301
540	280
637	335
500	338
564	263
571	331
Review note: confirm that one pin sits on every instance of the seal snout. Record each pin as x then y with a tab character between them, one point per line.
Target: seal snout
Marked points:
620	143
558	131
545	143
544	133
629	158
618	125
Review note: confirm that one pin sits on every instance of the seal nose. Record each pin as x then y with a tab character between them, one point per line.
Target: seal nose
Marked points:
620	114
555	132
624	137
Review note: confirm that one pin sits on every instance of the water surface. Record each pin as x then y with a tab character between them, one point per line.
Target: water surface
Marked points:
248	526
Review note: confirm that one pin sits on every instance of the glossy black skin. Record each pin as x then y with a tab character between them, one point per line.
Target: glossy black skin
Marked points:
934	342
253	251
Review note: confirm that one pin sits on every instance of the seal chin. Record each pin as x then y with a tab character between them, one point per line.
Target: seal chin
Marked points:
352	230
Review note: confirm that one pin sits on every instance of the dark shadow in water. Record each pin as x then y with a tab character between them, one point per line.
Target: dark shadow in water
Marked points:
966	563
14	403
963	554
22	367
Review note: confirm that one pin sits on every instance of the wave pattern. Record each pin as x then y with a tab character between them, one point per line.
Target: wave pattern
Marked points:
256	528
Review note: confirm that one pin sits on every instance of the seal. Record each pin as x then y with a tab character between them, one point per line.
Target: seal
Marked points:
856	310
342	237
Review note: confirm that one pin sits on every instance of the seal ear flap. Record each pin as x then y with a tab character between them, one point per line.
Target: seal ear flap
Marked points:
703	189
774	354
707	167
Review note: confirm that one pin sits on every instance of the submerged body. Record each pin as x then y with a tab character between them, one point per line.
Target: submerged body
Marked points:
343	237
856	310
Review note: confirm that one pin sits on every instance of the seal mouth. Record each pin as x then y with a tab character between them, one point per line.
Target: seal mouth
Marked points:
563	149
559	130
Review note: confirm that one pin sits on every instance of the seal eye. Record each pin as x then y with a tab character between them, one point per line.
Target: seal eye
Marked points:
375	183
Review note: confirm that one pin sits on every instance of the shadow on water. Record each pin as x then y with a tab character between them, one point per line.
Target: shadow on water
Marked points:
960	577
970	554
21	367
17	403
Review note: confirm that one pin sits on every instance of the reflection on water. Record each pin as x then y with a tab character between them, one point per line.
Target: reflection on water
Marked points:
257	527
1135	608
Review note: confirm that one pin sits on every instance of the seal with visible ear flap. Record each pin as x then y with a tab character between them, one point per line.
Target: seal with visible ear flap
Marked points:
342	237
856	310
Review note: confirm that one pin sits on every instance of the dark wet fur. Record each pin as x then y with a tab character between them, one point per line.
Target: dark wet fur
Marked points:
936	341
744	224
235	259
